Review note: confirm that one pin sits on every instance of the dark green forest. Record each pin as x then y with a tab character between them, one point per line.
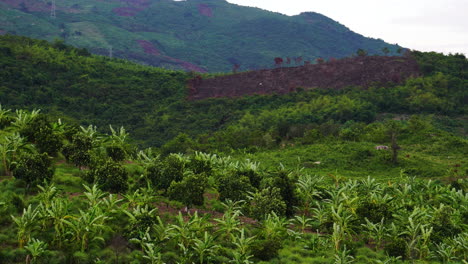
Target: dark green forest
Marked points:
107	161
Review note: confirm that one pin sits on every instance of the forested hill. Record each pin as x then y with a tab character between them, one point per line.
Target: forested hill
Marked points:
193	35
152	103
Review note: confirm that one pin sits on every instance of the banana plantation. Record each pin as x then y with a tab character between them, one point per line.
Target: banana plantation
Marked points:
71	194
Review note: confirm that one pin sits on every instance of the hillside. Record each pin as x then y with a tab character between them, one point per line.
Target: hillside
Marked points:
152	103
194	35
360	71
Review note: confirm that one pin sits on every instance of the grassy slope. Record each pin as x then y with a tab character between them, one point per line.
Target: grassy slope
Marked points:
248	36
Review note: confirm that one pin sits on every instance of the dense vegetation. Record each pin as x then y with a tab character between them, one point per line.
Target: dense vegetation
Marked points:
192	35
107	202
68	82
315	176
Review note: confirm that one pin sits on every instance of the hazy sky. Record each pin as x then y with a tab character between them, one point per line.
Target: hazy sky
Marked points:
426	25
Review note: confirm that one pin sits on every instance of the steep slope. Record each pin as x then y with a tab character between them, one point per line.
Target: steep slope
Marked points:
194	35
359	71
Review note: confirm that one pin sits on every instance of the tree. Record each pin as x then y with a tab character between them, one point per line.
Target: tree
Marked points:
118	147
281	180
110	176
278	61
33	168
234	188
79	151
190	190
393	129
39	132
361	53
266	201
386	51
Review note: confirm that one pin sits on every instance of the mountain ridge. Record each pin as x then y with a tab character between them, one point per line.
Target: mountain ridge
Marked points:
193	35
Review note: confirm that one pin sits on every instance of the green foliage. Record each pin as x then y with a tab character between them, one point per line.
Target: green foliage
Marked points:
266	201
110	176
281	179
78	151
190	190
248	37
233	188
33	168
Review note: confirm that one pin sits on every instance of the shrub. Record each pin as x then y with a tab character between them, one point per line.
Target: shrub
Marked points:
110	176
190	190
234	188
33	168
266	201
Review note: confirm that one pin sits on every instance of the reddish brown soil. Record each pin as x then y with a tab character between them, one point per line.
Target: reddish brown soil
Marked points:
148	47
205	10
359	71
133	8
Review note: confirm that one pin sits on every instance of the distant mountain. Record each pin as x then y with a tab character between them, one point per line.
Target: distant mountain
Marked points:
194	35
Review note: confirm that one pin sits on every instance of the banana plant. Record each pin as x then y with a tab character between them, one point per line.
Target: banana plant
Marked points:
26	224
9	148
22	118
274	227
337	236
241	254
205	249
321	213
375	231
87	227
47	194
302	221
94	195
36	249
56	213
307	190
184	232
343	218
228	224
152	253
344	257
444	252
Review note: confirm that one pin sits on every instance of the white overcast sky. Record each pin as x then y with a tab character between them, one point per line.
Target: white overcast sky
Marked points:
425	25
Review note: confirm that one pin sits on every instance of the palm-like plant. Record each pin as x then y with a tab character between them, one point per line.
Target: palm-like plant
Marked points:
228	224
343	257
23	118
56	213
242	244
184	232
206	248
337	236
302	221
274	227
47	194
36	248
26	223
94	195
343	218
87	227
152	253
9	149
307	190
376	231
444	252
